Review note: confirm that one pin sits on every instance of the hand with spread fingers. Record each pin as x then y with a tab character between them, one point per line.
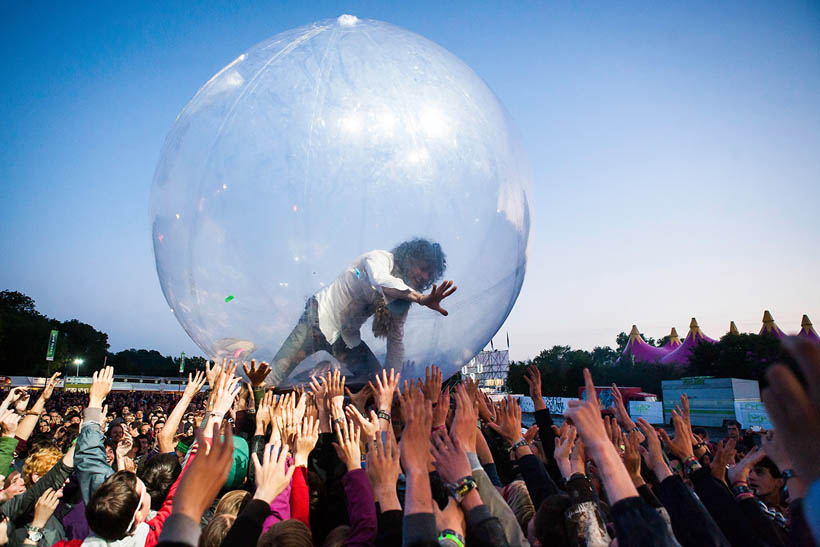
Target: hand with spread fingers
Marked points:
437	294
368	428
101	383
307	434
359	399
271	476
347	447
508	421
533	379
463	429
432	383
724	458
654	454
255	375
383	389
563	449
383	469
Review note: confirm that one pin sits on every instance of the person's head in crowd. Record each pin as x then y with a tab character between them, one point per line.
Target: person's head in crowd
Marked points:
733	429
73	418
158	427
118	506
232	502
159	475
126	410
44	426
216	530
71	433
287	533
766	481
110	452
143	444
109	420
337	536
546	527
138	415
39	462
115	433
55	417
134	428
144	428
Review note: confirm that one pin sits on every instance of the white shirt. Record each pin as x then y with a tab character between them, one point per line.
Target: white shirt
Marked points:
352	298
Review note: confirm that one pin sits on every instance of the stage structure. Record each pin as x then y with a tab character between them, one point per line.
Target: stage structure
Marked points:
489	369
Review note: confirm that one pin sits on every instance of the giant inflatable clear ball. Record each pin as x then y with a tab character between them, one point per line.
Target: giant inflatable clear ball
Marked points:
287	182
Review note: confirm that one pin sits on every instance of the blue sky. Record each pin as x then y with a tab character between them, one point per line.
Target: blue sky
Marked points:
674	150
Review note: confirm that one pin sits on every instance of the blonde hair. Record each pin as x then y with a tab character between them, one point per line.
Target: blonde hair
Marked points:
216	530
39	462
232	502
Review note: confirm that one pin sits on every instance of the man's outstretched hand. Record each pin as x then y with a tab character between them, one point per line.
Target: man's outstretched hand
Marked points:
439	293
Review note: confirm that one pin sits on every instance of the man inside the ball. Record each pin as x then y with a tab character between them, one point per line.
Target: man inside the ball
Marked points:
379	284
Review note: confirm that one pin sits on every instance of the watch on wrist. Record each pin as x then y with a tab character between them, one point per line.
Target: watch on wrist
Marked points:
34	533
518	445
461	488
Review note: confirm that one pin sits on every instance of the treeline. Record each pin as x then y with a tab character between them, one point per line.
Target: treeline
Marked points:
734	355
24	338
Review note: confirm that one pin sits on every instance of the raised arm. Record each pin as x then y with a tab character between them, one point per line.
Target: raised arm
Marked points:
166	437
29	422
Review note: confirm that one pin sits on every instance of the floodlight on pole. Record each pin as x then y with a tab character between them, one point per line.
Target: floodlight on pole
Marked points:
78	362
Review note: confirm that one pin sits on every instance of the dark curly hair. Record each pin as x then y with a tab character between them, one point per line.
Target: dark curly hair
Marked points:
422	252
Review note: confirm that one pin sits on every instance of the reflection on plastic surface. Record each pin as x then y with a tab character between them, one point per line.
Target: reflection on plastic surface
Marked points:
317	146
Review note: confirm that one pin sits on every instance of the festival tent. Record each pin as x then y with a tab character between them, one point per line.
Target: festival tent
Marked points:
733	328
770	327
681	354
673	342
807	330
639	350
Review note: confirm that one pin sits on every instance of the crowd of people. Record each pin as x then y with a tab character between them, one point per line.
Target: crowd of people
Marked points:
412	462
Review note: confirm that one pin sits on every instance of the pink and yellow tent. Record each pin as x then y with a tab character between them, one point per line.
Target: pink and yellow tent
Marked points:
680	355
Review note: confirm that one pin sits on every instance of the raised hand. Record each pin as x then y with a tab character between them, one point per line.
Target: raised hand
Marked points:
415	437
336	388
51	383
441	409
563	449
485	406
307	434
533	379
45	507
347	447
463	428
360	398
125	445
101	383
794	409
586	417
9	419
740	471
383	468
632	459
195	384
213	372
437	294
383	389
681	445
508	421
225	391
12	397
432	384
256	376
654	455
271	476
205	475
368	428
724	458
449	458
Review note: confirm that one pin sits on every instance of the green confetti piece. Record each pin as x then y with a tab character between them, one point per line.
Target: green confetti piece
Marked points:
229	298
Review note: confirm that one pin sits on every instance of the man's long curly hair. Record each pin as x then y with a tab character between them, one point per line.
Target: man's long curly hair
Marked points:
428	256
422	252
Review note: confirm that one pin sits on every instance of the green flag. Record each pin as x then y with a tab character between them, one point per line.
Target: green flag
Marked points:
182	362
52	345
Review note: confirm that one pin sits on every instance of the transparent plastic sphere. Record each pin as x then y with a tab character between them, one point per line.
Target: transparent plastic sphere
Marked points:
313	149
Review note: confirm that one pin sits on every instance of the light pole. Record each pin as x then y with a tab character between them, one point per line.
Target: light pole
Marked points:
78	362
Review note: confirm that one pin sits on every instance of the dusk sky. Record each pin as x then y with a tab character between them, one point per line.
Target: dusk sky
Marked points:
675	152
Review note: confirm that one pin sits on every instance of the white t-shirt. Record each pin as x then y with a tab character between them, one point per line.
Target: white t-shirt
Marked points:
352	298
